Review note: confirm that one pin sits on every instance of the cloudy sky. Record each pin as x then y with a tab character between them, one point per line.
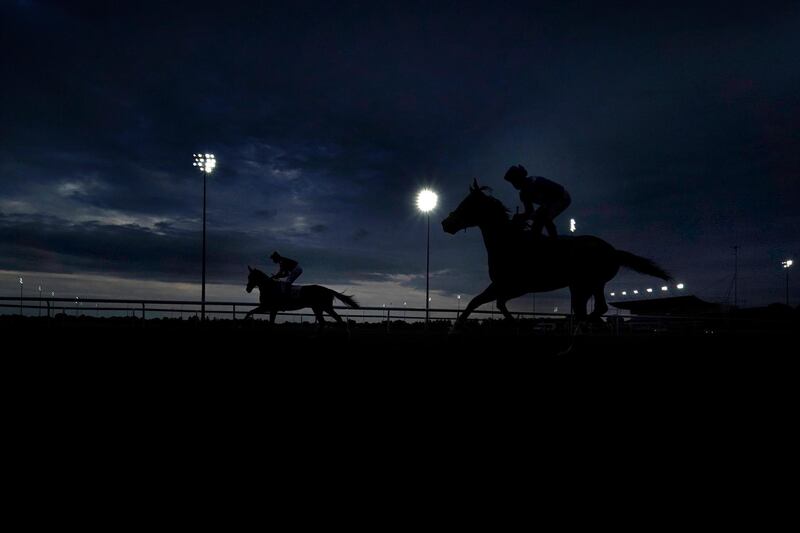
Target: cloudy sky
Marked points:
675	128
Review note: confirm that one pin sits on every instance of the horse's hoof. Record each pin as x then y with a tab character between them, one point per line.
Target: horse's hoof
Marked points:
566	351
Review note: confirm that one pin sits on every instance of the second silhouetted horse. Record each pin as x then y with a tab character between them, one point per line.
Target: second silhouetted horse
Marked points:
272	298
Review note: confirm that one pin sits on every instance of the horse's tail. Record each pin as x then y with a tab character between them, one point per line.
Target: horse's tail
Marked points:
349	301
642	265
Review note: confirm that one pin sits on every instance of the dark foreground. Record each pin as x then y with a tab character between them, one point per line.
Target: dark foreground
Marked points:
169	341
245	393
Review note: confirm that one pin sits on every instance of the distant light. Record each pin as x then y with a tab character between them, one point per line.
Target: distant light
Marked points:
787	263
459	296
426	200
635	291
429	299
664	288
572	225
679	286
649	290
624	293
20	281
613	294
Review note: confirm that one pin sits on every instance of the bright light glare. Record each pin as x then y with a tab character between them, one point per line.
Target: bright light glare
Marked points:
205	162
635	292
624	293
613	294
649	290
664	288
426	200
679	285
572	225
787	263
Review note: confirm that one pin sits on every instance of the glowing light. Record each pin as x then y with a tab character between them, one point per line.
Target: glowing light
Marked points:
649	290
624	293
205	162
787	263
664	288
679	286
426	200
572	225
635	291
613	294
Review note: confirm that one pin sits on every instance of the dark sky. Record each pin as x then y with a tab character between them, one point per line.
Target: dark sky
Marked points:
675	128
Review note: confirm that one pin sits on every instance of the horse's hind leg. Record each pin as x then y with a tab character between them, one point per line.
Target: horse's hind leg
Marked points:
339	319
501	305
320	318
600	306
335	315
579	298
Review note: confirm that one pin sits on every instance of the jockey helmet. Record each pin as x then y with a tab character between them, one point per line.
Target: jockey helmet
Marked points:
516	173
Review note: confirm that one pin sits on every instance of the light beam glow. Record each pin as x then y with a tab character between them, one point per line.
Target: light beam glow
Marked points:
426	200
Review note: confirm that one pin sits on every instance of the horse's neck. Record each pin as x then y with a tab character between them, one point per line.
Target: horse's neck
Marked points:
496	235
267	287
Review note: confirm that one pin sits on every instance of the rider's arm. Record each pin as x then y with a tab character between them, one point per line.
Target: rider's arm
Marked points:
529	209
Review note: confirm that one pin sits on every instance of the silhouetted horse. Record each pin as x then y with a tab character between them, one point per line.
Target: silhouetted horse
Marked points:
521	262
272	299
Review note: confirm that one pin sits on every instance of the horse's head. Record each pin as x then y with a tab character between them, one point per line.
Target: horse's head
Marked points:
255	278
477	208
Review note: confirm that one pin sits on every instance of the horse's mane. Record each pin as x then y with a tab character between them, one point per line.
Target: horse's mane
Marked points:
261	274
495	204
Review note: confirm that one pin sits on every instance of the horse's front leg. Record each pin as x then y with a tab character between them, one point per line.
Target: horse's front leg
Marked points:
258	309
489	294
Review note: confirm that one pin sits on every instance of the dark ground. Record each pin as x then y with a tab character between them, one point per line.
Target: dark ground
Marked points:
282	408
492	342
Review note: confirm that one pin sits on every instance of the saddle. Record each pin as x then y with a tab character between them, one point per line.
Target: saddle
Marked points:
289	292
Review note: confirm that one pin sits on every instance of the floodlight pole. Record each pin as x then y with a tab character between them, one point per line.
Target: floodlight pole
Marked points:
203	297
427	274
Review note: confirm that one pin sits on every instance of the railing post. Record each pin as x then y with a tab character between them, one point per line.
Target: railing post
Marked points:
142	312
48	308
388	318
234	311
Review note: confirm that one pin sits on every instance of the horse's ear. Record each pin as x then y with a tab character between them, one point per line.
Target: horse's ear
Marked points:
249	268
475	185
